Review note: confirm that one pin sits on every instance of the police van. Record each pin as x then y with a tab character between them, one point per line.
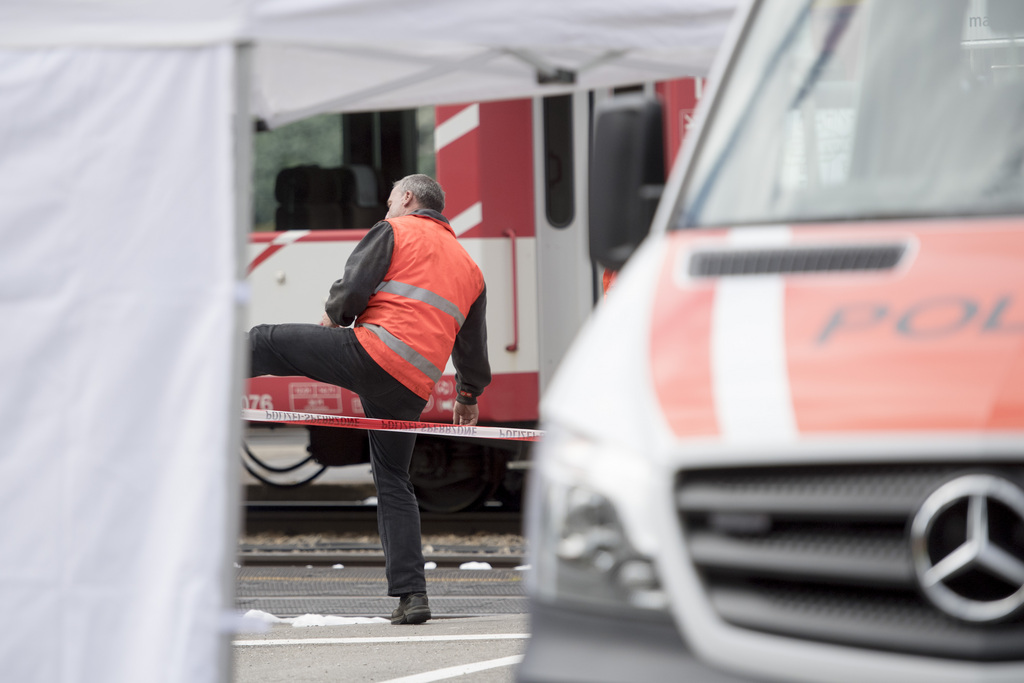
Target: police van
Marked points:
789	444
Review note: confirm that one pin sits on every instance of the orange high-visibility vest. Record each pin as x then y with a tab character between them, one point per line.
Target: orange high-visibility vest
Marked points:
411	321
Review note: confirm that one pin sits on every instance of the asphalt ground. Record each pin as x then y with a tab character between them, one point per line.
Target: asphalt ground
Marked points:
362	591
483	649
478	631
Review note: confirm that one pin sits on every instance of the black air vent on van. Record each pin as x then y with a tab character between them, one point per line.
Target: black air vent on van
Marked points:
794	260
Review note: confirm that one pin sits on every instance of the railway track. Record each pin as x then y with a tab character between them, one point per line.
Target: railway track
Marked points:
309	516
322	533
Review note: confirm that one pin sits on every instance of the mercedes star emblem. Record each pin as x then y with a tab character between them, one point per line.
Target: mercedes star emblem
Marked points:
966	540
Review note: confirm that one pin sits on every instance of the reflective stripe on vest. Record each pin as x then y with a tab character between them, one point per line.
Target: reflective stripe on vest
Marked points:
424	295
405	351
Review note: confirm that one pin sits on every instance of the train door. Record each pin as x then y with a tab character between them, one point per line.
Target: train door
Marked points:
565	274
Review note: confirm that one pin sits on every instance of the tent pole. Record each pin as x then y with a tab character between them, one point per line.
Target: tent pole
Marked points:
242	136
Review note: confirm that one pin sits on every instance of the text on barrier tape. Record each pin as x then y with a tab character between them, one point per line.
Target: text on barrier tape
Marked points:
409	426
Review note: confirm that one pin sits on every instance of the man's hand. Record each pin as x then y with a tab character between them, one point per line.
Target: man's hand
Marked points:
326	321
465	414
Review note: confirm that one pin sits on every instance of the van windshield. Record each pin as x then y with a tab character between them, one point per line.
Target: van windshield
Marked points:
870	109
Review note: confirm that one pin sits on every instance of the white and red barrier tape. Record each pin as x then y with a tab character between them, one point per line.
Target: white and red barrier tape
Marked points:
409	426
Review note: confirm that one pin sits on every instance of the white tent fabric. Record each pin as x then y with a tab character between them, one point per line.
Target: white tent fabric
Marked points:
351	55
117	302
153	23
118	272
315	56
297	82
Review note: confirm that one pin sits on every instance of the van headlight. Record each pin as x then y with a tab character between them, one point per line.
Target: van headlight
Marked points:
581	551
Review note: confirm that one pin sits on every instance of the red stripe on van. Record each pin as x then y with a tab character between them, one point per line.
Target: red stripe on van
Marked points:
681	349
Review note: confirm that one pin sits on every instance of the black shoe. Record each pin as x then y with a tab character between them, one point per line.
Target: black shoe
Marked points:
412	609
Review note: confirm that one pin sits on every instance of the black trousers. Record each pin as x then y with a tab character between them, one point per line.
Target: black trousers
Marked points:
333	355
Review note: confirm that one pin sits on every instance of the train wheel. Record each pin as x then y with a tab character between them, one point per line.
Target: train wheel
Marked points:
452	477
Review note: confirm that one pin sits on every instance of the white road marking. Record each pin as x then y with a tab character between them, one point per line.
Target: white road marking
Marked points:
390	639
455	671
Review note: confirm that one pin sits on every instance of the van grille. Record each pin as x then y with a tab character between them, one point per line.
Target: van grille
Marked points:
821	554
793	260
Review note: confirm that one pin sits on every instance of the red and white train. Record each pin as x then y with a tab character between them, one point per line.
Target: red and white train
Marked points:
515	176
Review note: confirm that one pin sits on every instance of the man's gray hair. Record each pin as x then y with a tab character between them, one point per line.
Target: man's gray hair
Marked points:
425	189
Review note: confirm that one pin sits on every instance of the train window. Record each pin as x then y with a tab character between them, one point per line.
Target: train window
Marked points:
559	187
312	142
334	171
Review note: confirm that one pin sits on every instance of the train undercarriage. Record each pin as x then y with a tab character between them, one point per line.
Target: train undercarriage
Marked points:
449	474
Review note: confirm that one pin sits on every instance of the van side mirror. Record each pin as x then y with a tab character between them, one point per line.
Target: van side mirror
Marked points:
627	176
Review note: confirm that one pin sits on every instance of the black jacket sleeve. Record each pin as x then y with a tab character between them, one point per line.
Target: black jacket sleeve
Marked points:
472	369
364	271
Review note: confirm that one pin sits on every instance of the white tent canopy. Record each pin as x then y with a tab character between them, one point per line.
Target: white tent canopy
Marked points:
313	56
331	55
123	211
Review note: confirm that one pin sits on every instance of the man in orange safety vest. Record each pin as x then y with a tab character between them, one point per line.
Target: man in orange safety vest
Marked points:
410	298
